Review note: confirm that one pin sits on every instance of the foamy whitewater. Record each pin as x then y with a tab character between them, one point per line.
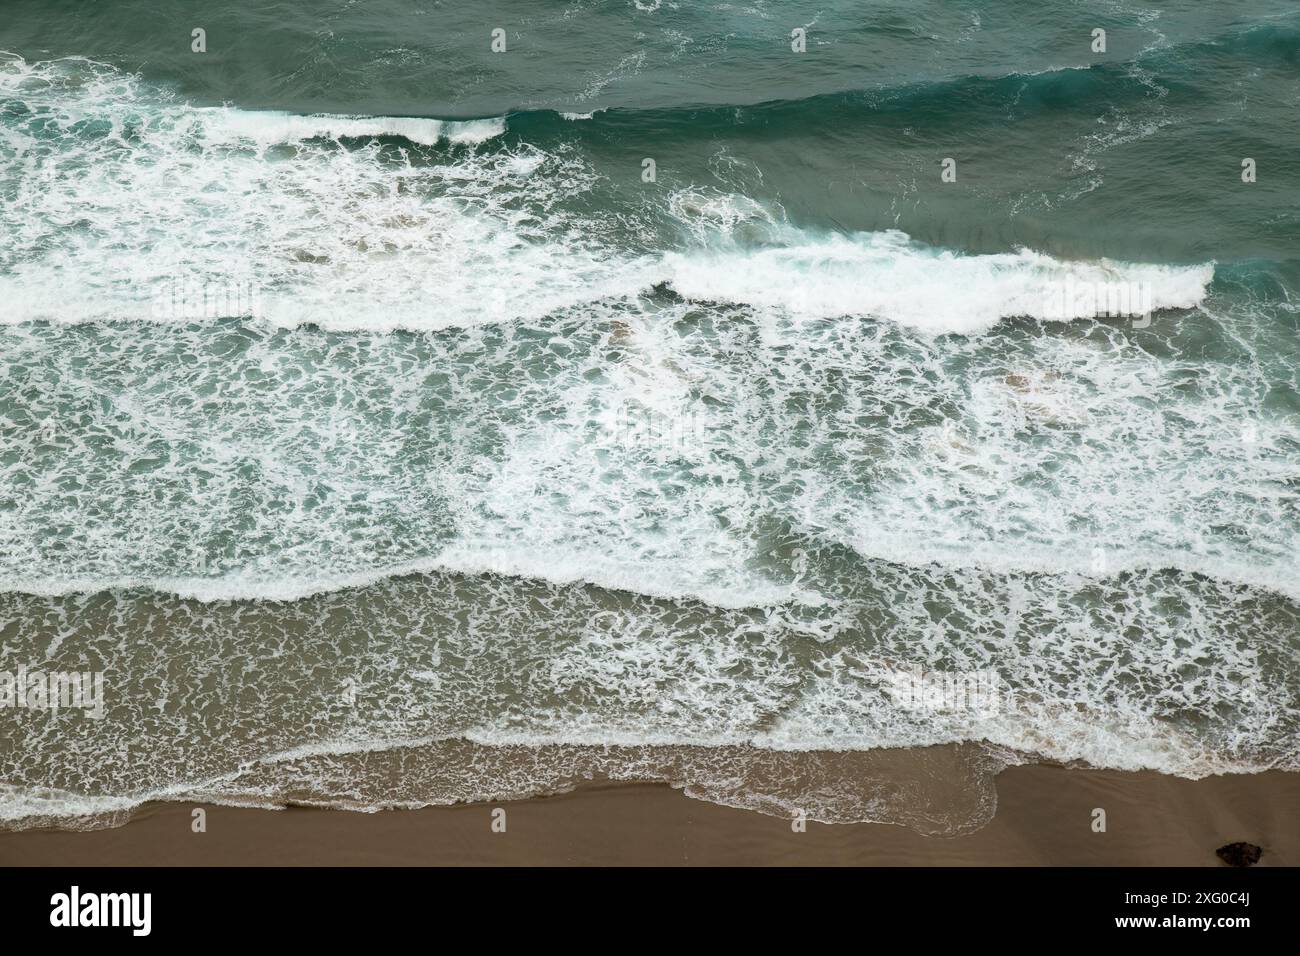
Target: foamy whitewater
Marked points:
388	461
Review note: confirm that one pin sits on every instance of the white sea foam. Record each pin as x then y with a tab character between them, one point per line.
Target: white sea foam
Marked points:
232	126
1083	458
464	526
364	237
362	692
888	275
551	567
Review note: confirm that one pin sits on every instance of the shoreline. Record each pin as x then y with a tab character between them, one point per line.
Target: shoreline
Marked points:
1044	817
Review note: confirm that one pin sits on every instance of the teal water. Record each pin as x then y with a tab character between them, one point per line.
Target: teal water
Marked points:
387	436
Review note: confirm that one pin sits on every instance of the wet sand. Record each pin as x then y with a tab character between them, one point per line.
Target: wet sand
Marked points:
1044	817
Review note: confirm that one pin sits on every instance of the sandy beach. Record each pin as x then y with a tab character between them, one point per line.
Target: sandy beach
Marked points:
1044	816
649	434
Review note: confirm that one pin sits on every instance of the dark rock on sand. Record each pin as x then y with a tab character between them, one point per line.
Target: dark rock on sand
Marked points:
1239	854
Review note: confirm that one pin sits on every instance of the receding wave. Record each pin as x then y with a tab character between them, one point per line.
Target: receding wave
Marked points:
942	791
442	688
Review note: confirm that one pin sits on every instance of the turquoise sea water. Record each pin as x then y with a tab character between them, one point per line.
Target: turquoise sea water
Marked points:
386	434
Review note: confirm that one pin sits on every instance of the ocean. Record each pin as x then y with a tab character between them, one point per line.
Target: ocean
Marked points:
408	402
